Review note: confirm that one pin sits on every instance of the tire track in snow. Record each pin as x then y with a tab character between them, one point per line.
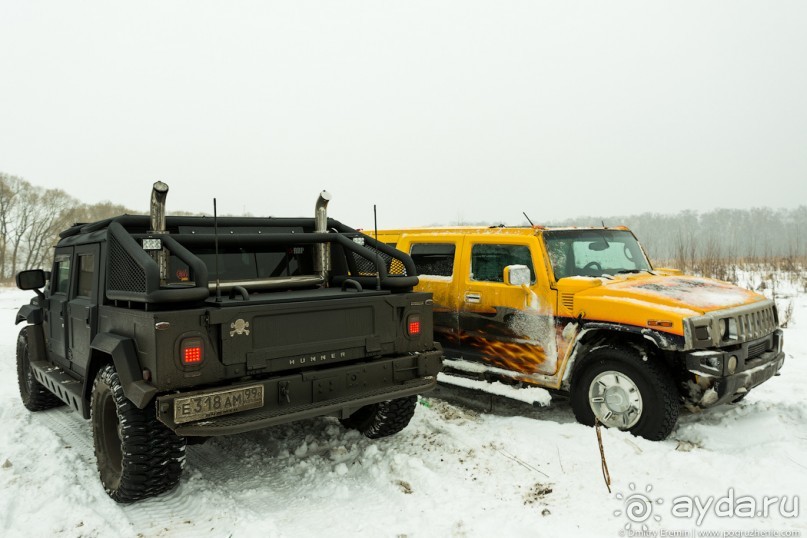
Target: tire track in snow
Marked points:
71	428
235	475
176	511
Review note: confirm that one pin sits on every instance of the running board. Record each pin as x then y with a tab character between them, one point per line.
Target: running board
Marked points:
454	372
64	386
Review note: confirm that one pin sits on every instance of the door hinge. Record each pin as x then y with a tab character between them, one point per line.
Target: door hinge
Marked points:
283	392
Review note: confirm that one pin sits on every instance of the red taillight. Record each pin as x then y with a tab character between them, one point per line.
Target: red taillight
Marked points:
193	355
413	325
192	352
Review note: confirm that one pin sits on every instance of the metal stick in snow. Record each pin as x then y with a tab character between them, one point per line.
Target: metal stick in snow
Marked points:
605	474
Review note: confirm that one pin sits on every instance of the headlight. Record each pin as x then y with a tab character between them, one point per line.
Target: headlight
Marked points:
722	326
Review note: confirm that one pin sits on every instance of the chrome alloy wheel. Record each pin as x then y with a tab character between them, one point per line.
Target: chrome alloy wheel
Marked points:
615	400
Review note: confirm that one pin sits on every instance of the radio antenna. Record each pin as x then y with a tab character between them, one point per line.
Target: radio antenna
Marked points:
377	260
216	250
528	219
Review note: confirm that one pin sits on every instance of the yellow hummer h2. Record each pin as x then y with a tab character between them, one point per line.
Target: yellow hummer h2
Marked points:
582	311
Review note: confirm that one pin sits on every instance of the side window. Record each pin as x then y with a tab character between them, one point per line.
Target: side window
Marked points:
61	275
488	261
436	259
86	272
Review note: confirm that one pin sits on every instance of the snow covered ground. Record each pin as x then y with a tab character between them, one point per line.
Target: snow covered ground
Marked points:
469	464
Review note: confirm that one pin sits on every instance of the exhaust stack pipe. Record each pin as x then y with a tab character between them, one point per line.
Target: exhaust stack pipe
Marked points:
159	192
322	258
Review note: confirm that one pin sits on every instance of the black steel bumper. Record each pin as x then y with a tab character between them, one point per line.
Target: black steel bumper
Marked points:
752	367
728	388
332	392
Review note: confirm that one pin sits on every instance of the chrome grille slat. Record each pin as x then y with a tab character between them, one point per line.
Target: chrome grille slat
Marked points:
751	325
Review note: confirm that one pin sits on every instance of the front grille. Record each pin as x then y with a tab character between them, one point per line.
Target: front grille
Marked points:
747	326
756	324
732	326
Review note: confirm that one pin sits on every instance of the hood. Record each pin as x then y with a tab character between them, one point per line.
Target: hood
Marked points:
683	292
644	300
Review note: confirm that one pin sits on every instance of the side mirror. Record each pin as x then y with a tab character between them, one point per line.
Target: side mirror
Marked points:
32	279
517	275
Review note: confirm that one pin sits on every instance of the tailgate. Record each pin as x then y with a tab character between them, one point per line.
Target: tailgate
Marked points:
303	334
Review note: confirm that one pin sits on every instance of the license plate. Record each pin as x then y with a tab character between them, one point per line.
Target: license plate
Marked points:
214	404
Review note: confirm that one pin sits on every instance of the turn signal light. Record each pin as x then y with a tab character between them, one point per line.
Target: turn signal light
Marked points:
192	352
413	325
659	323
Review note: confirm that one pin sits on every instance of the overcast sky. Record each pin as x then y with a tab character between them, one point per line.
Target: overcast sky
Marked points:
437	111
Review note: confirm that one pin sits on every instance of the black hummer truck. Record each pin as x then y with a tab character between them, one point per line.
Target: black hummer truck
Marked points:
163	330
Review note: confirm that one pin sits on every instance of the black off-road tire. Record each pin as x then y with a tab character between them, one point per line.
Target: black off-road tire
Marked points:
137	456
34	395
661	402
383	418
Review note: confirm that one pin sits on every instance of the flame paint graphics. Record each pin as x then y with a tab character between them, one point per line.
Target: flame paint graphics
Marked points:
499	345
515	356
521	341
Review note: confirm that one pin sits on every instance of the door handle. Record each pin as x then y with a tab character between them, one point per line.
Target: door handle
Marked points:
473	298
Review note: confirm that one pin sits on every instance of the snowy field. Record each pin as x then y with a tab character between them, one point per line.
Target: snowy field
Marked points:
469	464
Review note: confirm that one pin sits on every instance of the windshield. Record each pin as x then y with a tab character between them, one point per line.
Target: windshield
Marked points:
594	253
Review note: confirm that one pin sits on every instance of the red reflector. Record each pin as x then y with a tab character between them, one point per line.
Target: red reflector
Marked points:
414	325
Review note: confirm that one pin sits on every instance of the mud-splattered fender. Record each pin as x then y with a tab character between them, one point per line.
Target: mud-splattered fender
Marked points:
588	335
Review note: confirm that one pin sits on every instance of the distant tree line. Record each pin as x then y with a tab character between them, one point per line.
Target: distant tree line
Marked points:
689	237
32	217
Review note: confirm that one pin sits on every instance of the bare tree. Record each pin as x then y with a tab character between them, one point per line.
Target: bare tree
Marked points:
10	187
